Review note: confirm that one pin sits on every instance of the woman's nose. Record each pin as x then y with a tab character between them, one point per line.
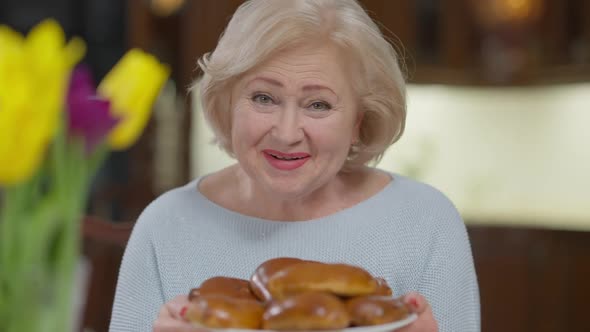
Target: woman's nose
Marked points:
287	128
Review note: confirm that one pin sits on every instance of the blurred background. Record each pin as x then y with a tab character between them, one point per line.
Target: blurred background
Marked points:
498	110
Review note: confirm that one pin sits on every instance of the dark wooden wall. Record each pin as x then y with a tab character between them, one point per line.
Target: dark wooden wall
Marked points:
532	279
442	41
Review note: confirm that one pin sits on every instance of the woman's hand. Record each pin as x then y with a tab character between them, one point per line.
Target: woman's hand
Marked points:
170	317
425	321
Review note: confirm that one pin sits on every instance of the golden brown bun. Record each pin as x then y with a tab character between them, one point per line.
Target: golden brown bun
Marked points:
259	280
298	295
383	288
218	311
306	311
339	279
232	287
376	310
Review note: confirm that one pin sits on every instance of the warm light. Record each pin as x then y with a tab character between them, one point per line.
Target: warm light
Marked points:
499	12
517	5
166	7
518	9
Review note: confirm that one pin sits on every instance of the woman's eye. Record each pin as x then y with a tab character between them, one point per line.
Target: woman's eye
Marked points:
262	99
320	106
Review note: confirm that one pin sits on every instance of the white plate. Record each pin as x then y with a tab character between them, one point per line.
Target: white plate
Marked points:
375	328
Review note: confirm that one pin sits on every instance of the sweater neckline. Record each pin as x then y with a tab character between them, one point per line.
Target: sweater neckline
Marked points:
364	205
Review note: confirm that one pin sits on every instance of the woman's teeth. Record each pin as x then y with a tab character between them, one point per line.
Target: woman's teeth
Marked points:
285	158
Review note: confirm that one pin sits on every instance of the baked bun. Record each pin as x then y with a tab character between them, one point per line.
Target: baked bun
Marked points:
376	310
218	311
293	294
259	280
338	279
232	287
383	288
306	311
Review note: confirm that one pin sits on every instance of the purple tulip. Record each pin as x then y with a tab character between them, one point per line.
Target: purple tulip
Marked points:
89	115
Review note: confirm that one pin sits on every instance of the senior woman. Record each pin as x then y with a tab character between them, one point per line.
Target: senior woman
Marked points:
304	94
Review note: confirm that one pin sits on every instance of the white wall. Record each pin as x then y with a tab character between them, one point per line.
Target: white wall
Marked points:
501	154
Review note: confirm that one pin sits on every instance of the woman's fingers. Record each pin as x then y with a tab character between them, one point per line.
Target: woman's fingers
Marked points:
416	301
176	306
425	321
170	317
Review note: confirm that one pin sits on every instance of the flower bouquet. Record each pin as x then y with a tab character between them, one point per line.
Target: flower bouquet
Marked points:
56	129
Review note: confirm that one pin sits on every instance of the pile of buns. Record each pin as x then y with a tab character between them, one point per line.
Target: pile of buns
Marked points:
294	294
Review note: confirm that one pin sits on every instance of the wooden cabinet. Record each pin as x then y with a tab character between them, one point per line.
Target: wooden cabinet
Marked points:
532	279
490	42
466	42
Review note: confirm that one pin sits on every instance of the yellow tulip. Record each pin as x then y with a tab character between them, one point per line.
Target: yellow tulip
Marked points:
132	87
34	73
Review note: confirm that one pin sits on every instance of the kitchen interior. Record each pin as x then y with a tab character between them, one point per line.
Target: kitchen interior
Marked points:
498	107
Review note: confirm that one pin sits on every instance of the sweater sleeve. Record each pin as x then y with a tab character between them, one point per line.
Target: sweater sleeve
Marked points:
139	294
449	280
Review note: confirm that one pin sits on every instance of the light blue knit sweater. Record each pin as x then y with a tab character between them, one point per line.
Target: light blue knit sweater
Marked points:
409	233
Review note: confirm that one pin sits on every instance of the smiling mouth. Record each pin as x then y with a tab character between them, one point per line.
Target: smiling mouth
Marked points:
278	155
285	158
286	161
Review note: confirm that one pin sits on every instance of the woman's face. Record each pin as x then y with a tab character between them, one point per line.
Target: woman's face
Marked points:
294	118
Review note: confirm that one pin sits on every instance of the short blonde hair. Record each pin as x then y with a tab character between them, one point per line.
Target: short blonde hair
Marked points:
260	28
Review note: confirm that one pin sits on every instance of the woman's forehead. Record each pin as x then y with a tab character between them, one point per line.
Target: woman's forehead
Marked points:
308	68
